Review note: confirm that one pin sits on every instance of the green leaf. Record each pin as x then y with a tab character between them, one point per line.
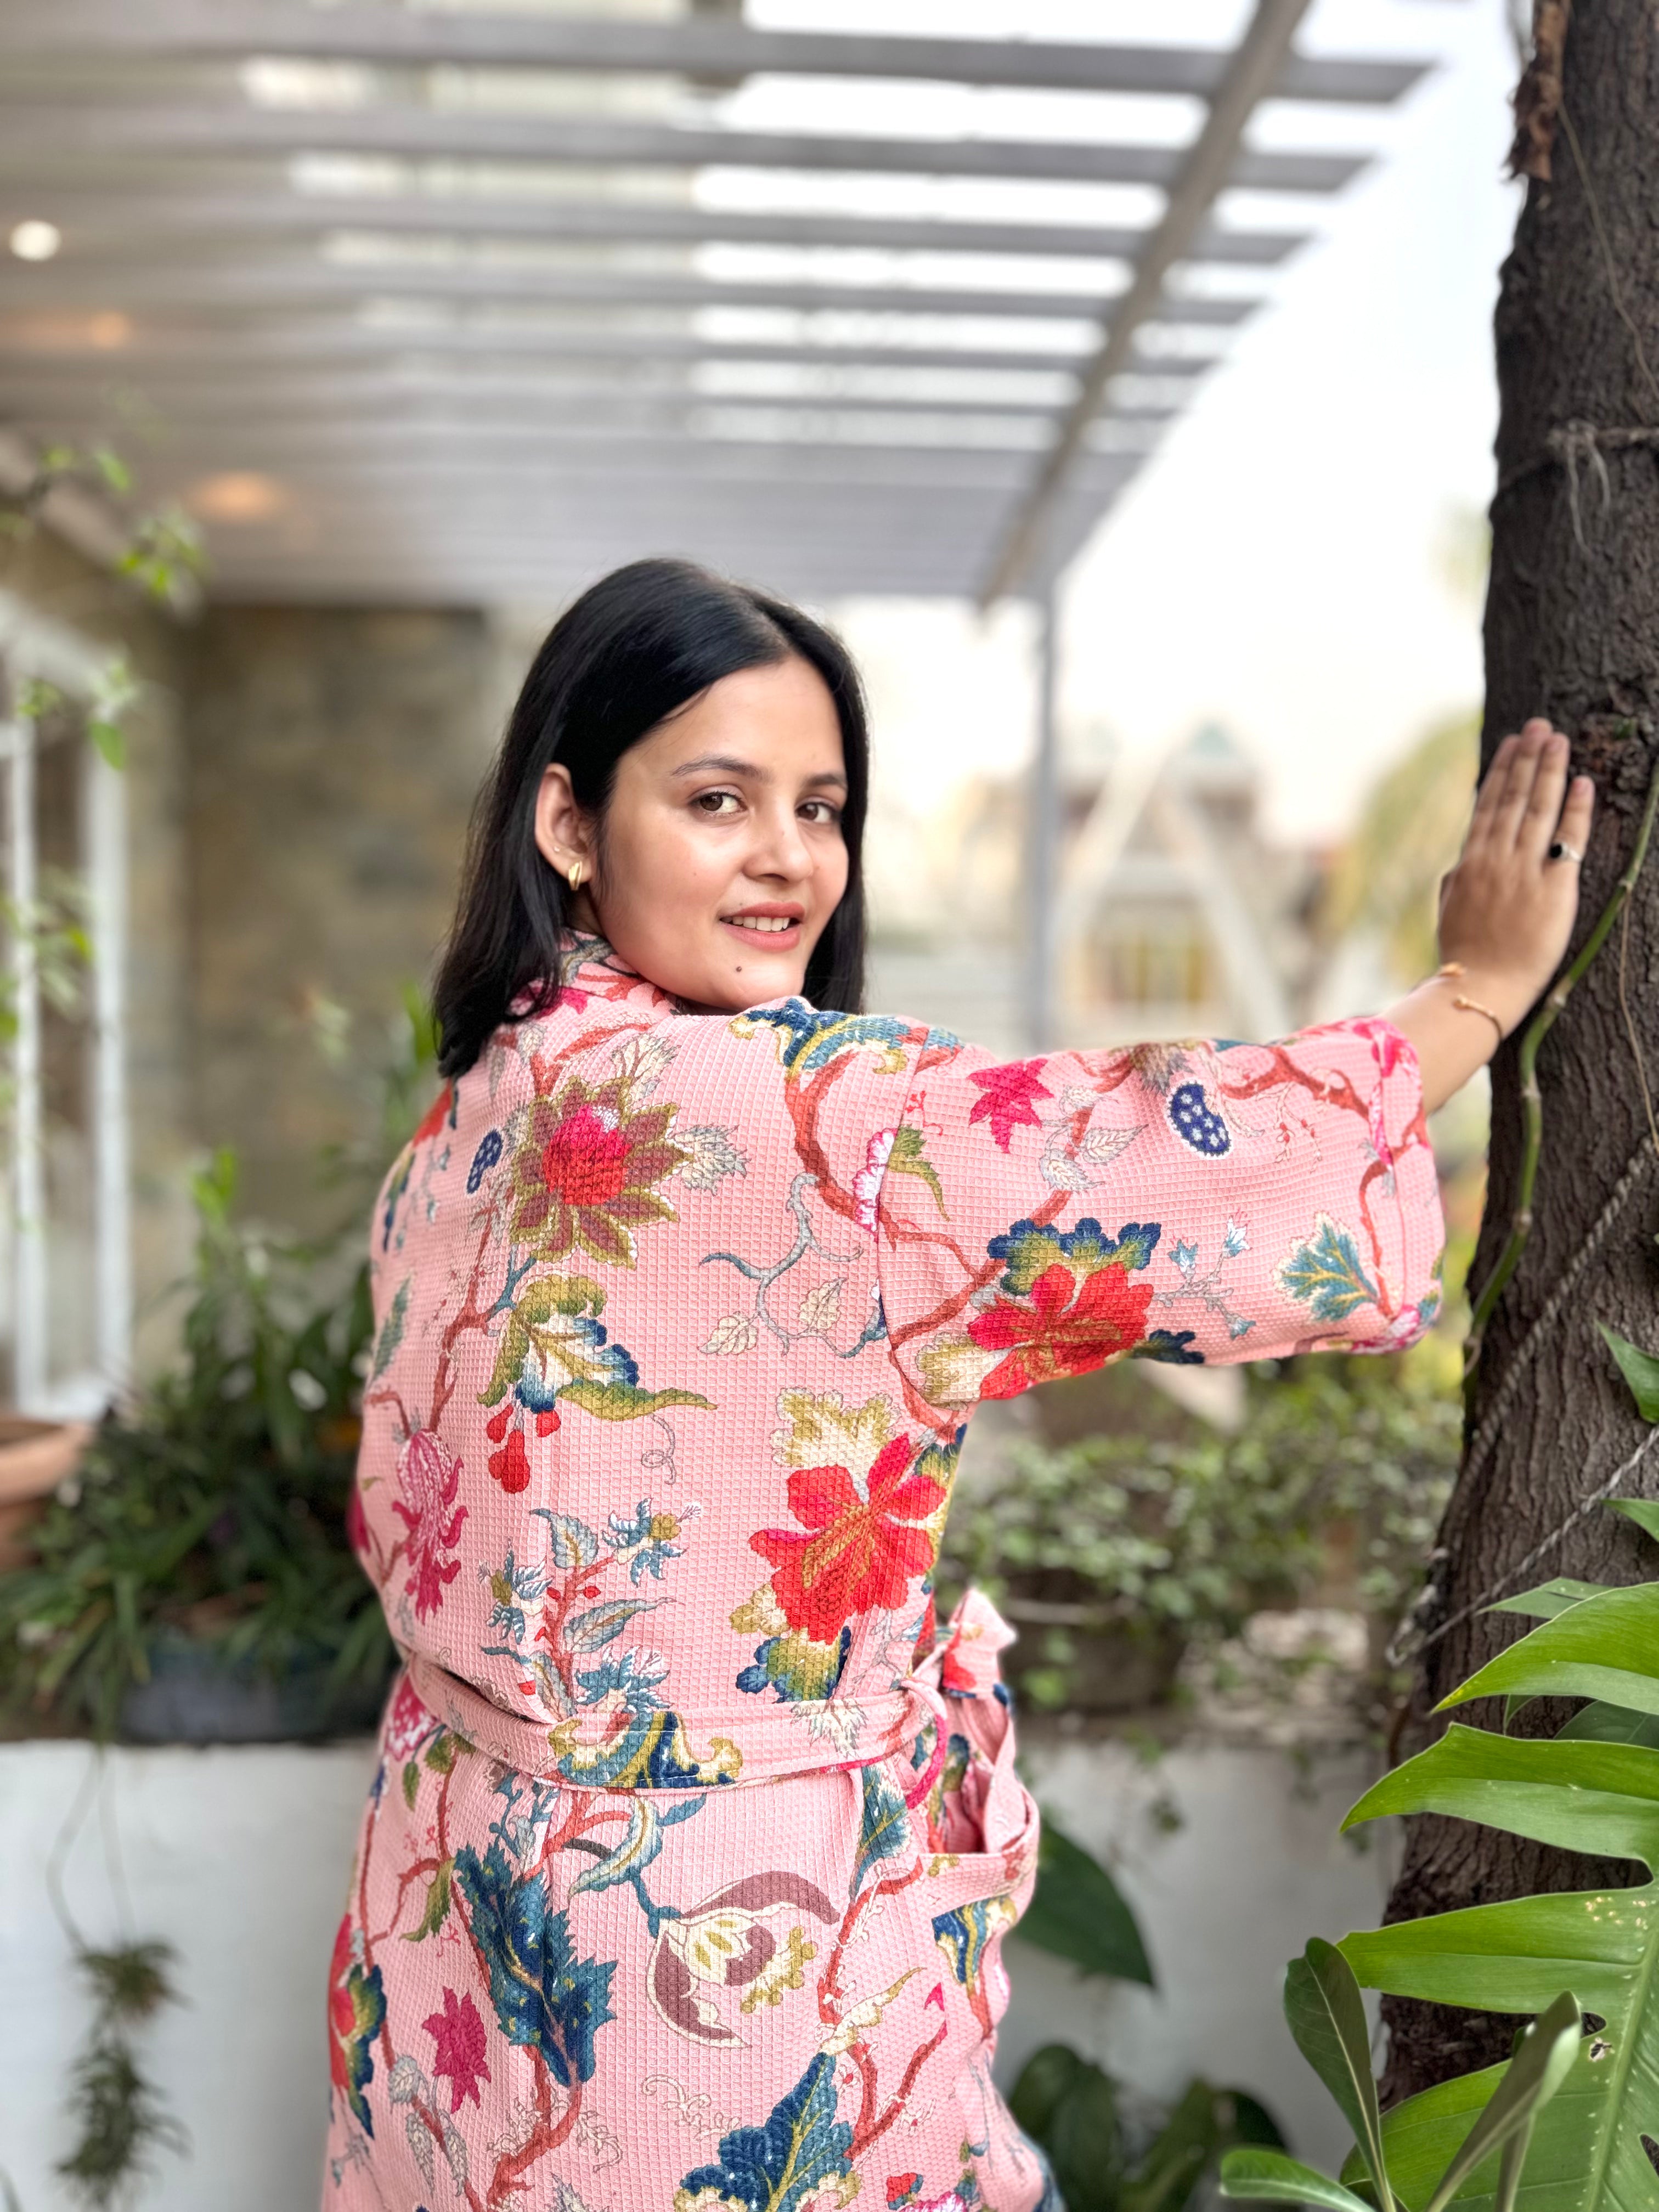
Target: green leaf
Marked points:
1419	2135
571	1543
36	699
1327	1272
510	1355
113	469
111	746
1077	1912
1169	2186
1206	2122
1549	1599
1604	1724
601	1624
1327	2016
1269	2177
411	1781
1597	1797
1044	2080
625	1401
1512	2168
1543	2061
392	1330
1086	2142
908	1157
445	1748
1639	1368
437	1902
1643	1511
1579	1792
1608	1647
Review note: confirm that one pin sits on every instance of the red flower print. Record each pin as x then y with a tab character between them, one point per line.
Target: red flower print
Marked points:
436	1114
357	1523
459	2035
356	2014
861	1552
511	1464
408	1724
585	1171
1388	1046
584	1161
1053	1335
428	1478
1010	1092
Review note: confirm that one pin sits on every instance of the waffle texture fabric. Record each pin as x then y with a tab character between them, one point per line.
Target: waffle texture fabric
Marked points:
682	1882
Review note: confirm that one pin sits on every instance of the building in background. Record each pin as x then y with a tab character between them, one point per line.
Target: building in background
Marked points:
1176	915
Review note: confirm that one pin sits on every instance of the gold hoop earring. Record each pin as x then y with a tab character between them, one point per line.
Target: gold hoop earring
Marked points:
574	878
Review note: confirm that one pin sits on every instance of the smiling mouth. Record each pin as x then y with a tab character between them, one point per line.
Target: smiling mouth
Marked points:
762	925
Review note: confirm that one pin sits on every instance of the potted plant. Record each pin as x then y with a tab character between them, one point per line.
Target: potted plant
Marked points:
194	1581
1115	1554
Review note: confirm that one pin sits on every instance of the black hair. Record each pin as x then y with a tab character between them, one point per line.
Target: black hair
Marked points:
643	642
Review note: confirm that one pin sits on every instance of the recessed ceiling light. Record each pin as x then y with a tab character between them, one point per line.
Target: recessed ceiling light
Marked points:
35	241
236	496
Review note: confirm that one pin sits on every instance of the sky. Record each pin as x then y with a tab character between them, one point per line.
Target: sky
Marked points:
1281	565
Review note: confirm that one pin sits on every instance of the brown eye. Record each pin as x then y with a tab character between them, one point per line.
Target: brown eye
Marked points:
717	803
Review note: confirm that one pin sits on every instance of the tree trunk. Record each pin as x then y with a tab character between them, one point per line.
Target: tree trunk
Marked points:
1572	632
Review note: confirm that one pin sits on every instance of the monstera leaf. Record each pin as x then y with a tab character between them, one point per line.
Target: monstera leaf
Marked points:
1593	1789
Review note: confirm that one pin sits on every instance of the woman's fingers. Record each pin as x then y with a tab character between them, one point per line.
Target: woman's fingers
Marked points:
1518	790
1489	796
1538	823
1574	827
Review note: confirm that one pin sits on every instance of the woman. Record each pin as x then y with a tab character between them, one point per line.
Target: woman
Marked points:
684	1874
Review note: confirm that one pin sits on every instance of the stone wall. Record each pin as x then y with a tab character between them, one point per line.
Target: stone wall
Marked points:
333	756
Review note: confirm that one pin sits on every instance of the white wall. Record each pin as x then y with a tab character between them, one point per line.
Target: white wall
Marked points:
239	1858
1225	1899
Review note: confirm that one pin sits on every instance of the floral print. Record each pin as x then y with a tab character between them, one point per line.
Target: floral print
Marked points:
585	1171
684	1879
428	1479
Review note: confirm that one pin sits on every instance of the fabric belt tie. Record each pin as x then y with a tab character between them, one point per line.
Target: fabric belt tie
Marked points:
750	1743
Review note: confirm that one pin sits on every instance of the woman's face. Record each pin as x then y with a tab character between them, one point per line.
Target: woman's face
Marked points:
722	854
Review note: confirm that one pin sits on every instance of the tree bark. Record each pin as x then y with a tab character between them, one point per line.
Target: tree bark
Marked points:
1572	632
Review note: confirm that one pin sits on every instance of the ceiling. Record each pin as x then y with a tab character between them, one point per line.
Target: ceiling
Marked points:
427	303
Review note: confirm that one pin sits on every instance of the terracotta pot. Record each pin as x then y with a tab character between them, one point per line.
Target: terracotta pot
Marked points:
34	1457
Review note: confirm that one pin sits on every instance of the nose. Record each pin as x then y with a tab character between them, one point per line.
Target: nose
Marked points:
782	850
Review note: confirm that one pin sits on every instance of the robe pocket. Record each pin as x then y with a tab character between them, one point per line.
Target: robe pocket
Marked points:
1003	1864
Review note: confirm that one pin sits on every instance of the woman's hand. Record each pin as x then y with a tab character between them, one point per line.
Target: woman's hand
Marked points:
1506	910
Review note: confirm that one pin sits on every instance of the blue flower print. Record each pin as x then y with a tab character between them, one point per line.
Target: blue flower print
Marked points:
488	1152
1197	1123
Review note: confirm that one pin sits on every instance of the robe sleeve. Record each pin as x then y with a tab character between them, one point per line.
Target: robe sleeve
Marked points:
1188	1203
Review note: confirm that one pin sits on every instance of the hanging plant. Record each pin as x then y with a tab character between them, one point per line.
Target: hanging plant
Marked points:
119	2114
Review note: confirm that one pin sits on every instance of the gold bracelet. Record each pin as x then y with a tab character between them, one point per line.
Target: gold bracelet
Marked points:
1454	969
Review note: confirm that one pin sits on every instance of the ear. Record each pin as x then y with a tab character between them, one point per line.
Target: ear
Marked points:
563	832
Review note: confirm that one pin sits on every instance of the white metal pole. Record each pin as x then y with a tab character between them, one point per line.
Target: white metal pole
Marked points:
27	1164
104	830
1044	842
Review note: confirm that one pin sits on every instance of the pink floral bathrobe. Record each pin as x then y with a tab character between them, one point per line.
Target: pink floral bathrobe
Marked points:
682	1881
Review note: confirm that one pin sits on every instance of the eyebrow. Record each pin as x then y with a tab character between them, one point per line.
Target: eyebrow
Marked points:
733	766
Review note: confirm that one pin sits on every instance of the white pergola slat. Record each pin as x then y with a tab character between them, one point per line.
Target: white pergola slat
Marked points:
467	322
622	46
